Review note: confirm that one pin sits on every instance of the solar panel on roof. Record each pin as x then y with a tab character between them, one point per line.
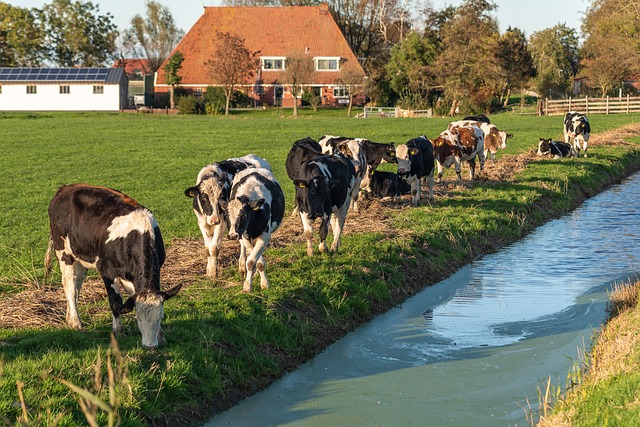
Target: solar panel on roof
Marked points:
54	74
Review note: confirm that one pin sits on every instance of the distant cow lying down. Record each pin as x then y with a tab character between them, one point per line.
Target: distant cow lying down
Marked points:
555	149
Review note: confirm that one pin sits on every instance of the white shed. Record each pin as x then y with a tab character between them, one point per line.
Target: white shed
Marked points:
63	89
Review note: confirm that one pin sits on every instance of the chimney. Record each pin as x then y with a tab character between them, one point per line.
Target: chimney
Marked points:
324	8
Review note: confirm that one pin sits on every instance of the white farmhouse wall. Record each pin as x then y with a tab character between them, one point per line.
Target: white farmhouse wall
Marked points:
14	97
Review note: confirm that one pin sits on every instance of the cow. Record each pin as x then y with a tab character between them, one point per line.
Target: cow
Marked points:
376	153
387	185
329	143
416	161
478	118
323	190
255	209
577	127
213	185
493	137
555	149
303	150
460	143
104	229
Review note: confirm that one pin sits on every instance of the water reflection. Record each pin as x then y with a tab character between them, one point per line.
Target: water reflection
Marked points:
473	348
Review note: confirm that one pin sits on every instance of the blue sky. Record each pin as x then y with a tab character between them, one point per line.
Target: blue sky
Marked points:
528	15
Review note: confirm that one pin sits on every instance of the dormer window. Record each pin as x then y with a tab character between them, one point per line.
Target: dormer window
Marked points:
273	63
327	63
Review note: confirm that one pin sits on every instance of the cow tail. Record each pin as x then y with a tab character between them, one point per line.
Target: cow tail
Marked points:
48	261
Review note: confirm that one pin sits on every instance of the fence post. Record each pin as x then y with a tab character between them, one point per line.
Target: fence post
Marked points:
607	108
586	104
569	103
627	103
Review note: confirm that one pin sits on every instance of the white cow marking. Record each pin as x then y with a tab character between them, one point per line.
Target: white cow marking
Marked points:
140	220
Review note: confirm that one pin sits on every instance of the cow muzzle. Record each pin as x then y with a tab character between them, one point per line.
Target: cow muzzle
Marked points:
233	235
213	220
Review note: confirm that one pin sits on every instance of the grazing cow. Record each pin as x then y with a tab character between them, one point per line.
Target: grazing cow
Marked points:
555	149
493	137
478	118
416	161
323	190
255	208
387	185
577	127
458	144
104	229
213	185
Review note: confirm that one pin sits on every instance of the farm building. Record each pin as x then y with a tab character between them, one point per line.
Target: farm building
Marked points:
63	89
274	32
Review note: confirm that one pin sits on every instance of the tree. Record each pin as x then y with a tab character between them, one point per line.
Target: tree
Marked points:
21	37
352	78
77	35
515	65
232	64
298	71
156	34
611	29
467	41
555	57
410	65
172	76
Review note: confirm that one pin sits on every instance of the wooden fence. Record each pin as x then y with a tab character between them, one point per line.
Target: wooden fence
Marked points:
394	112
608	105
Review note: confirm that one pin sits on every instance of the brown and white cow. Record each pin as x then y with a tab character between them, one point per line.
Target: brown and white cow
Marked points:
460	143
493	137
104	229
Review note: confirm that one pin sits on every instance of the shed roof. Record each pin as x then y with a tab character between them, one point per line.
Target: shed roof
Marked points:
57	75
274	31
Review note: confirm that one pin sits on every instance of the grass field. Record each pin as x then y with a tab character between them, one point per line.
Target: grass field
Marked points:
224	344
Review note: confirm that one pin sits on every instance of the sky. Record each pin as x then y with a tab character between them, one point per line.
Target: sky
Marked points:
528	15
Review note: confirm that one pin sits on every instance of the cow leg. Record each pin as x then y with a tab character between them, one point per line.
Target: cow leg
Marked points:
242	260
582	143
430	185
249	269
440	172
308	232
256	260
415	192
472	168
72	277
324	230
337	225
115	301
482	160
212	244
457	163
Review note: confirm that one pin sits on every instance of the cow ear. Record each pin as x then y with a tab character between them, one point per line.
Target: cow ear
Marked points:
509	135
191	192
256	204
171	292
128	305
413	151
300	183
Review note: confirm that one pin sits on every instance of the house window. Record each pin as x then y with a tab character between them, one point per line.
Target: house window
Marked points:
32	89
271	64
65	89
198	92
98	89
340	92
327	64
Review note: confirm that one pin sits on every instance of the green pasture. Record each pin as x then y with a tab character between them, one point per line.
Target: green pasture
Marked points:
224	344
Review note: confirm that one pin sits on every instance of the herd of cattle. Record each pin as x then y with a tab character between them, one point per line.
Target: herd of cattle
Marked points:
104	229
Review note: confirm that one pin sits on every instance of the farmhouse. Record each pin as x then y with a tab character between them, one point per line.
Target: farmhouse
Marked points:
63	89
276	32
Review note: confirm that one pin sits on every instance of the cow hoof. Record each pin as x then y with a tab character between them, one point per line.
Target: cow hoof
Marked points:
264	285
246	288
309	252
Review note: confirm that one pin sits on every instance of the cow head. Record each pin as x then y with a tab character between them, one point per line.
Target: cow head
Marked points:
544	146
503	137
149	313
313	194
445	145
207	195
352	149
404	153
241	210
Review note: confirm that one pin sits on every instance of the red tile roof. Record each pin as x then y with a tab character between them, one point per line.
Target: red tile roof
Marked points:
133	65
274	31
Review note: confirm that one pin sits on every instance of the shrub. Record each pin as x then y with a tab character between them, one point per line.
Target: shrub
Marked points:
190	105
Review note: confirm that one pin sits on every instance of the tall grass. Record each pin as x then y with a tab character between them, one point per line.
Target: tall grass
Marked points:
224	344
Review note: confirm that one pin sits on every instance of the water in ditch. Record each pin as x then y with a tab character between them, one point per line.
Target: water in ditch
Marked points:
474	349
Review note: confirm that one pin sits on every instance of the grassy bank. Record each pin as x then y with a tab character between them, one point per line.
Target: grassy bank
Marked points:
608	393
223	344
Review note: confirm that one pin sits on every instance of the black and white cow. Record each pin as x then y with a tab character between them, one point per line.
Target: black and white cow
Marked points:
555	149
104	229
256	208
213	186
577	127
415	161
387	185
324	187
303	150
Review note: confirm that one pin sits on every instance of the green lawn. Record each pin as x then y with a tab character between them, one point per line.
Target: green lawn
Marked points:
224	344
